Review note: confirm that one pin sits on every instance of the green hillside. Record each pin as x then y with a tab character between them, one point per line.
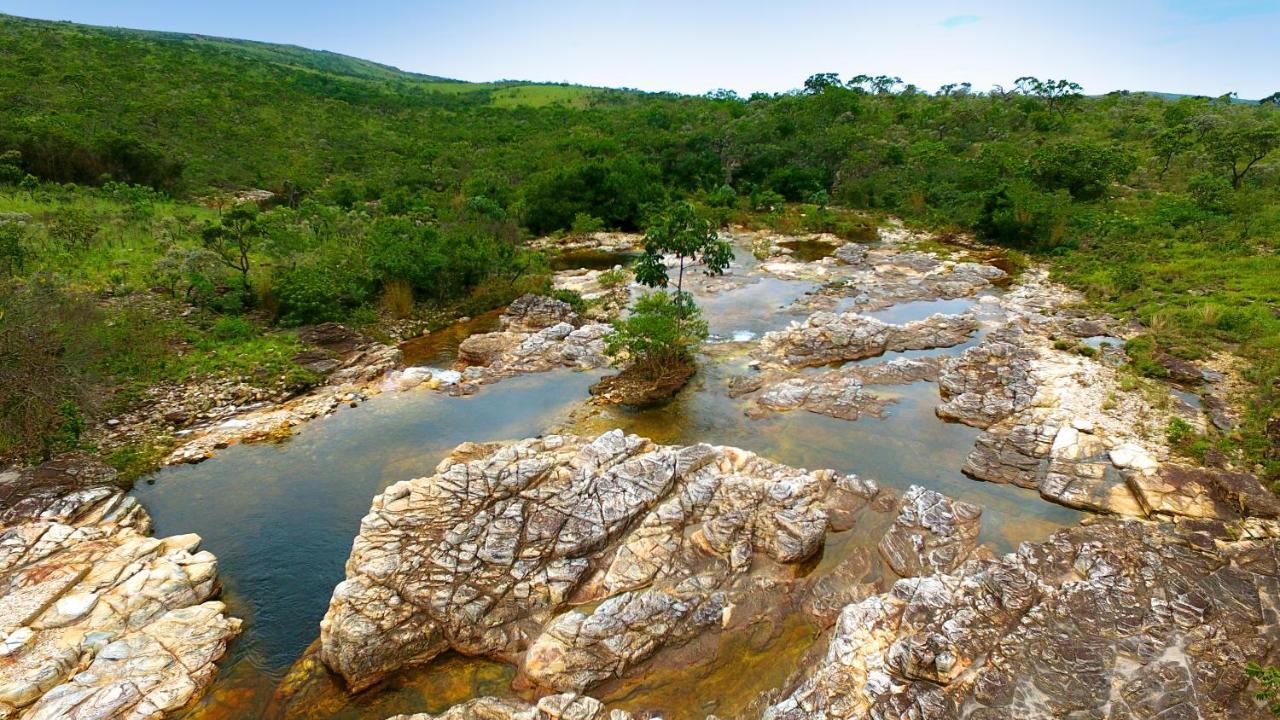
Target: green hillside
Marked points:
400	196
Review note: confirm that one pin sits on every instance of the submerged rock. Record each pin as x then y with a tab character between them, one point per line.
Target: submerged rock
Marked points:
96	618
481	556
1113	619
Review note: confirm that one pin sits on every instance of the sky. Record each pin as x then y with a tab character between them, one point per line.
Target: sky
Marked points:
691	46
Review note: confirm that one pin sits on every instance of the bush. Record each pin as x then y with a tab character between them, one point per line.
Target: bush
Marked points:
13	251
232	328
657	334
586	224
571	297
308	295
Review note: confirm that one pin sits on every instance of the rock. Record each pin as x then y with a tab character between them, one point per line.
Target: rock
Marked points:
96	618
932	534
531	313
481	556
836	393
567	706
851	254
1182	371
989	382
826	338
484	348
318	360
1112	619
1130	456
1204	492
331	336
491	357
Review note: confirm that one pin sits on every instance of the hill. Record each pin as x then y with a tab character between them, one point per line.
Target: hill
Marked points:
400	197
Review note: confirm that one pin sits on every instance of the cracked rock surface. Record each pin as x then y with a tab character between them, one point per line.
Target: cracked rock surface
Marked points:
1114	619
933	533
828	337
567	706
535	334
484	555
97	619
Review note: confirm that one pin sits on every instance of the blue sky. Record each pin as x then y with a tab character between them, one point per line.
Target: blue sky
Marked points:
1190	46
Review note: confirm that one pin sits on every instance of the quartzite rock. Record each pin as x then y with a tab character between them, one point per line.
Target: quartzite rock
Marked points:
1116	619
933	533
480	556
567	706
827	337
98	620
988	382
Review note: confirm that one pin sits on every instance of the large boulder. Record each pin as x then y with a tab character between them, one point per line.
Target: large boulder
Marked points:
531	313
484	555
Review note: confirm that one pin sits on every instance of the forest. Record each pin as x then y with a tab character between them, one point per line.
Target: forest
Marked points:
137	246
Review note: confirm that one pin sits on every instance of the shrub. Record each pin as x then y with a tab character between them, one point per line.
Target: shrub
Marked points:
586	224
308	295
658	334
572	297
13	251
614	277
232	328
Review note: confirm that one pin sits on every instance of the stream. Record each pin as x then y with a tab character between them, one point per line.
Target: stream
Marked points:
281	518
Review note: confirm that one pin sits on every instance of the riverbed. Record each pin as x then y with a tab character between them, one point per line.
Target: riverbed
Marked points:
281	518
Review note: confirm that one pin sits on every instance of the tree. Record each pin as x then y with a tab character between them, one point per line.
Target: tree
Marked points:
1169	142
233	239
681	232
817	84
656	335
1272	99
1082	167
1240	144
1058	95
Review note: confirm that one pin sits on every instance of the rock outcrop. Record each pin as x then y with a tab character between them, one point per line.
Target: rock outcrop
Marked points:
483	555
933	534
839	393
1112	619
535	334
826	337
98	620
988	382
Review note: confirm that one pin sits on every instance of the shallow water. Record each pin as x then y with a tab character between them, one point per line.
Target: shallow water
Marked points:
591	260
281	519
809	250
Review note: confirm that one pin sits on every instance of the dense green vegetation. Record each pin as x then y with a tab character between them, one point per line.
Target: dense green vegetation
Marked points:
392	188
